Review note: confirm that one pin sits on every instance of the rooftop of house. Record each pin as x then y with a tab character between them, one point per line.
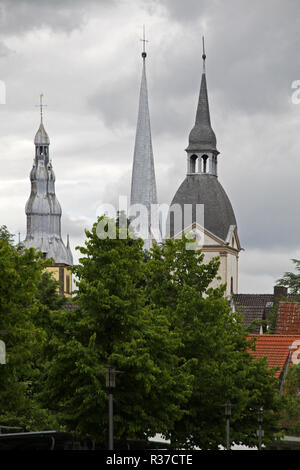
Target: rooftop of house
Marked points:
257	307
288	318
279	350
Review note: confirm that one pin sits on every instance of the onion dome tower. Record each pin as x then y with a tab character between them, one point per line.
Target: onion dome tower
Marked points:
143	197
43	213
210	216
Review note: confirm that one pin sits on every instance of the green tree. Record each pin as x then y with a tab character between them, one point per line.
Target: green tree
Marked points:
20	272
50	305
6	235
214	342
115	324
290	412
181	351
29	301
292	280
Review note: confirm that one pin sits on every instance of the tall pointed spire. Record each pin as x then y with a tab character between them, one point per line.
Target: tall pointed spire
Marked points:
202	136
143	184
200	206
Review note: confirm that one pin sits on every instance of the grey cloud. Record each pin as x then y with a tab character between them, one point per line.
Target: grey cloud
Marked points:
247	80
75	226
4	50
252	54
116	101
20	16
186	11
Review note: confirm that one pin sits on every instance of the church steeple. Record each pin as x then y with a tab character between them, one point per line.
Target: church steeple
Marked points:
200	206
143	183
202	146
43	210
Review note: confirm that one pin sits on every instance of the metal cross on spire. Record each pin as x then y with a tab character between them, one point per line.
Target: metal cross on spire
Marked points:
41	106
203	54
144	40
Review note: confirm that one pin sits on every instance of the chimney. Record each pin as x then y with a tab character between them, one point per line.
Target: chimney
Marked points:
279	293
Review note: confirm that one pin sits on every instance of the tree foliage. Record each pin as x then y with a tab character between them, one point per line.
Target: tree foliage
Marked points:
115	324
292	280
215	343
290	412
179	349
20	272
28	299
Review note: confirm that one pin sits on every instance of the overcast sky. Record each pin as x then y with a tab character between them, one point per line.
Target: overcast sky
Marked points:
85	57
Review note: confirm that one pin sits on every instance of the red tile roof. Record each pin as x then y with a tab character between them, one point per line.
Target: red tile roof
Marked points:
288	318
276	348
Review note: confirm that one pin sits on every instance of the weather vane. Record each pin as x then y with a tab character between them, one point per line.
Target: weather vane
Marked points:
144	40
41	105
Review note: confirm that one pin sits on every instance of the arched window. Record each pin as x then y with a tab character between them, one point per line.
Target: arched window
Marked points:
193	163
231	285
204	158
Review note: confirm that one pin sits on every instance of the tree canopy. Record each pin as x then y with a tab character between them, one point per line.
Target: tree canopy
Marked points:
115	324
290	412
214	342
180	351
29	300
291	280
20	274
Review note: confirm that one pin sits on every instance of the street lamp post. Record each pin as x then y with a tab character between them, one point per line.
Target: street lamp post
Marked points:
2	352
227	406
260	432
3	347
110	374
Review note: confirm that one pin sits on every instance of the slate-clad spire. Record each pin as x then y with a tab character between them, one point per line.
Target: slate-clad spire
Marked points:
43	210
143	184
206	212
202	136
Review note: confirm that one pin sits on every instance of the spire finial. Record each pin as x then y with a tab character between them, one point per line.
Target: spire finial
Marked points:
41	106
144	40
203	54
